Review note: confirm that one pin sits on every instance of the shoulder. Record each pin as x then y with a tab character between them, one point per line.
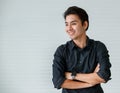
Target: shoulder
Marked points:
100	47
62	48
97	43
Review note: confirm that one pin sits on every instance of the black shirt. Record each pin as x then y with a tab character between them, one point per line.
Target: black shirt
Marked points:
68	57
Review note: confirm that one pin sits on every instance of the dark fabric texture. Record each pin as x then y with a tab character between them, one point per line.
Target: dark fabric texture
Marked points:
69	57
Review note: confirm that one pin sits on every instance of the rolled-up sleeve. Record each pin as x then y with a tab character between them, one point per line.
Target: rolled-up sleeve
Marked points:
103	59
58	68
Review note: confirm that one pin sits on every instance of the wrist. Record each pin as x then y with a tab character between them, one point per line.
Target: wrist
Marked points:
73	75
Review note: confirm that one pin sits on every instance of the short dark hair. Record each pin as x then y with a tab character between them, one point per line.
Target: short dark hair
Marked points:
77	11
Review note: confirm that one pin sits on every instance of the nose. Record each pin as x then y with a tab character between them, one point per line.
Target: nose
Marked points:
69	27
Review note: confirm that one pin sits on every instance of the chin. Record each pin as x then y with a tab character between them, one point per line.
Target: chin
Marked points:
73	38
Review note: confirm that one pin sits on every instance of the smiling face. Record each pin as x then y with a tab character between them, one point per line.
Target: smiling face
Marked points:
74	27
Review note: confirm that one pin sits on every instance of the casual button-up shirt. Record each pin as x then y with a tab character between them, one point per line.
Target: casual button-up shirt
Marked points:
68	57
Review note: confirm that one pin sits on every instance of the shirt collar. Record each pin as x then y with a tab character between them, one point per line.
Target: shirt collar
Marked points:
73	45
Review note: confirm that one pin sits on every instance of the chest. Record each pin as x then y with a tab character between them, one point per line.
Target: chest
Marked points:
84	61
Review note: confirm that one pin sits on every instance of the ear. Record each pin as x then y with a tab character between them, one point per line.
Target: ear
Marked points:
85	25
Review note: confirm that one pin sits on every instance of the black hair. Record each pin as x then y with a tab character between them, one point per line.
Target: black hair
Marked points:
77	11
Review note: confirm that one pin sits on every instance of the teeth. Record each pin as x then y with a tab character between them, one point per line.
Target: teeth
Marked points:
70	33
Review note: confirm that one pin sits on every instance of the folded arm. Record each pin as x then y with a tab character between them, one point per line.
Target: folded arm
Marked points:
91	78
70	84
83	80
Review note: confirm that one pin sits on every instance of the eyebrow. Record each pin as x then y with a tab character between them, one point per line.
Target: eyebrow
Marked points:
72	21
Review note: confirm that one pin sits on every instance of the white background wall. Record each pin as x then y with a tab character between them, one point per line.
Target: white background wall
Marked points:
30	32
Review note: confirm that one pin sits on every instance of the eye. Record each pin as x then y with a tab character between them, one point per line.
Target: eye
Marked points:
73	23
66	24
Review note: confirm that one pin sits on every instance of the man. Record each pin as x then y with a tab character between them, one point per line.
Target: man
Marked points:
82	64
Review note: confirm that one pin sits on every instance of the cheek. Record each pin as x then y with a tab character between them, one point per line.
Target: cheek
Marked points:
66	29
80	29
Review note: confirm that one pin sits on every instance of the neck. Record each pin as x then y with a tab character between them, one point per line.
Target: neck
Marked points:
81	42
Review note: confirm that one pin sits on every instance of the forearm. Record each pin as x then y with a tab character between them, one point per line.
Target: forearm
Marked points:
91	78
70	84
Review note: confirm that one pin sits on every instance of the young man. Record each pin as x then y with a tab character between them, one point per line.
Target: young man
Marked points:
82	64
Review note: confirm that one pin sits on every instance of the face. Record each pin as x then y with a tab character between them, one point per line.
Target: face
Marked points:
74	27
